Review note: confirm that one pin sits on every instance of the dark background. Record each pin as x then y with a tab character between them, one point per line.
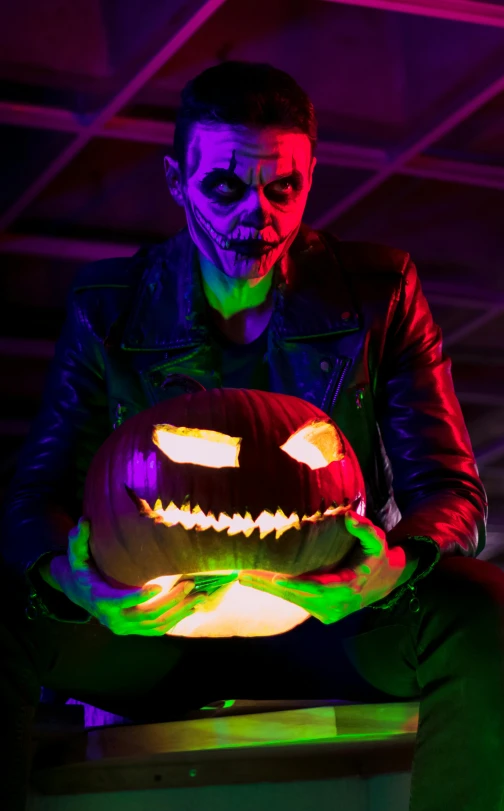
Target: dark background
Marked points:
411	111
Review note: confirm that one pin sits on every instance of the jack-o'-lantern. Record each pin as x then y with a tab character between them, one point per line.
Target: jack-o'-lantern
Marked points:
213	482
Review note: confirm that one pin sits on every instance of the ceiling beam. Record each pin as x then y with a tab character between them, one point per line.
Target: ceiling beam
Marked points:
471	326
448	171
201	11
465	11
480	398
462	294
418	145
77	250
493	452
329	153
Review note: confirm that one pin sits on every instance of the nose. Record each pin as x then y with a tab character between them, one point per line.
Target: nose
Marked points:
256	219
256	216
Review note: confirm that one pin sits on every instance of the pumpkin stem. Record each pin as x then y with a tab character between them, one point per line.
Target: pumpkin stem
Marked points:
186	382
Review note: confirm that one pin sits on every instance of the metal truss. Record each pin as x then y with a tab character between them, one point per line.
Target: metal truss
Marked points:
108	123
411	152
465	11
203	10
410	161
329	153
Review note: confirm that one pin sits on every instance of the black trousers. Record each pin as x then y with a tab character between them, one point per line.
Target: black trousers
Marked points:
449	655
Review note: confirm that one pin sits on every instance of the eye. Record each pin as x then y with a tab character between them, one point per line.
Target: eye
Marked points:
316	444
197	447
226	187
284	185
285	188
221	187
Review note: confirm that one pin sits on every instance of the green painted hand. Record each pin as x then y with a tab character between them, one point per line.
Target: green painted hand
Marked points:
122	611
371	573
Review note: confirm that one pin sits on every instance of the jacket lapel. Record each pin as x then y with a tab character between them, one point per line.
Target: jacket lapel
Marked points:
170	309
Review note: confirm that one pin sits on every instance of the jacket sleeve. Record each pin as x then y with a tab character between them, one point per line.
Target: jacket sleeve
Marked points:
435	478
43	501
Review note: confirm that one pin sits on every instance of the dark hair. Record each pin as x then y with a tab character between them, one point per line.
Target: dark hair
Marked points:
252	94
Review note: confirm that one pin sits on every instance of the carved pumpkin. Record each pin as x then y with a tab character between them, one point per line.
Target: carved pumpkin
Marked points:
212	482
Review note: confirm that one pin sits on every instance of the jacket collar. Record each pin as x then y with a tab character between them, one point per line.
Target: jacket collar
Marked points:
311	297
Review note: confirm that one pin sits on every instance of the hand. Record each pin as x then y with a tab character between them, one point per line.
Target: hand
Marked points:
118	609
372	572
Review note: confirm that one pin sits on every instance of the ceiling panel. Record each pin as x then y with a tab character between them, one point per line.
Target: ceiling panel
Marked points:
79	53
330	50
24	155
113	190
453	232
479	139
330	184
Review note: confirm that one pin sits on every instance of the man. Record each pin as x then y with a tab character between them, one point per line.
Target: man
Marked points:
247	296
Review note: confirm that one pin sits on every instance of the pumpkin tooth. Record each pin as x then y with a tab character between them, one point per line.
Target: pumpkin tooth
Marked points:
223	522
291	521
251	525
197	519
238	524
266	523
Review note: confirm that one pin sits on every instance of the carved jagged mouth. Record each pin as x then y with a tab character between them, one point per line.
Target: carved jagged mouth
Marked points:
266	522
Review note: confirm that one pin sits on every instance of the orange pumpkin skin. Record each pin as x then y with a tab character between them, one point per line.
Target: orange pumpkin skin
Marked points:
130	548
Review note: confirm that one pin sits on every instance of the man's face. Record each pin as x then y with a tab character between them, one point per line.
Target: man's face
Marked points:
244	194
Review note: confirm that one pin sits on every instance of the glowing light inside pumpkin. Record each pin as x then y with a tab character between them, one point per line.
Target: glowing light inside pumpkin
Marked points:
232	609
266	521
316	445
196	446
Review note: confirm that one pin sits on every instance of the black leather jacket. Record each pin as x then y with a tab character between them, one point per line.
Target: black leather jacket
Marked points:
351	332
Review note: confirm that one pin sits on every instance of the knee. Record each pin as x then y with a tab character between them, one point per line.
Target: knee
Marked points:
466	586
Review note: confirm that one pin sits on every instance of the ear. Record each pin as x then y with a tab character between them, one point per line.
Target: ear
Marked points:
174	180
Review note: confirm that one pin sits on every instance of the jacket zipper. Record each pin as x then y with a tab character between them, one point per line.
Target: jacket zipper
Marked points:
339	385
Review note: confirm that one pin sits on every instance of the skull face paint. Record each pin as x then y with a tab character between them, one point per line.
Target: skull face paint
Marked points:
244	194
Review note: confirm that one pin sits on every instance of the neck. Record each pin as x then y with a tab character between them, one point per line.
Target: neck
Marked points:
231	296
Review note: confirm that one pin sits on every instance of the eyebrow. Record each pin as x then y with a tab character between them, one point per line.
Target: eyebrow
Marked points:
221	172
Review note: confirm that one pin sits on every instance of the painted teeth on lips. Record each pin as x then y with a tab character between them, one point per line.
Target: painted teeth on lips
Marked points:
248	238
221	240
242	233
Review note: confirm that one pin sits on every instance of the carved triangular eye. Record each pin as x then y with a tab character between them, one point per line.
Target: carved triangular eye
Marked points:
197	447
316	444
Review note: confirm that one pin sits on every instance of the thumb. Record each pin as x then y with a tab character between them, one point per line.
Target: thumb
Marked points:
372	539
78	544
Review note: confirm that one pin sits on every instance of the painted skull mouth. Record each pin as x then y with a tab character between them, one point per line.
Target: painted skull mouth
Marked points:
266	522
254	246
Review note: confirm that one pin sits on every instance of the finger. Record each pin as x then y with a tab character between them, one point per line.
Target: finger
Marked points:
130	601
78	544
80	530
169	619
343	576
285	592
317	583
357	518
372	538
131	622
